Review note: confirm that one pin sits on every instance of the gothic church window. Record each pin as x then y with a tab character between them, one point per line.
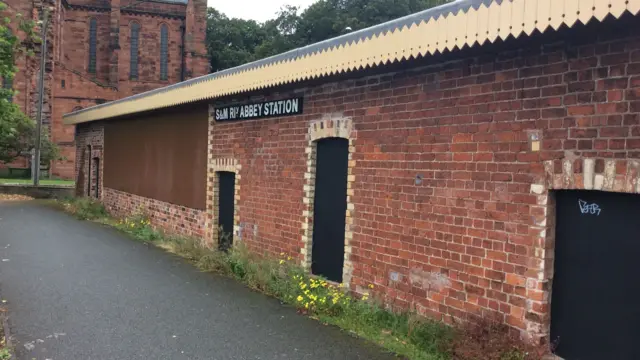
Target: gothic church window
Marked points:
164	52
135	45
93	34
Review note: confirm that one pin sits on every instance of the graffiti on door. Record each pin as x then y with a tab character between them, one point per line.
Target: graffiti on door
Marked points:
587	208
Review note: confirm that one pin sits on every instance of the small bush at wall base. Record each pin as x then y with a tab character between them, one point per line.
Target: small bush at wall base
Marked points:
84	208
405	334
488	340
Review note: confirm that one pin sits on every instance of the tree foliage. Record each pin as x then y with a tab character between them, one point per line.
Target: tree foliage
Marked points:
233	42
17	131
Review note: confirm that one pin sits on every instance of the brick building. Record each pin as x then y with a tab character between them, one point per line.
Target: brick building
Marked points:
481	158
103	50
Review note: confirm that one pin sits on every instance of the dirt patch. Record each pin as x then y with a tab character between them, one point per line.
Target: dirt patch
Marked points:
11	197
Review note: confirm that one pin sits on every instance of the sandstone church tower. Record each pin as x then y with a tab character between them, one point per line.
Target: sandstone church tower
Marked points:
104	50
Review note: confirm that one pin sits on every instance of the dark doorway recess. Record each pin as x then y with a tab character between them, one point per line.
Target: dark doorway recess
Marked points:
226	196
330	207
89	170
96	162
595	311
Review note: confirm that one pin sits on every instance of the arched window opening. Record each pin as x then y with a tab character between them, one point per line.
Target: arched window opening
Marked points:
164	52
93	38
135	46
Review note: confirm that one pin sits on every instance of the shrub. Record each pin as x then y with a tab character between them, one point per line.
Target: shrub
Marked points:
139	227
84	208
488	340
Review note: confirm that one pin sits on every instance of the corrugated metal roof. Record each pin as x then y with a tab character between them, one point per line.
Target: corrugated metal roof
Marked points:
446	27
356	36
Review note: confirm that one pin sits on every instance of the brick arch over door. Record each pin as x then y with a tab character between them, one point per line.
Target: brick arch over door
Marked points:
334	126
612	175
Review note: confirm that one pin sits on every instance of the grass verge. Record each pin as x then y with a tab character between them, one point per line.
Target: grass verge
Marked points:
405	334
5	345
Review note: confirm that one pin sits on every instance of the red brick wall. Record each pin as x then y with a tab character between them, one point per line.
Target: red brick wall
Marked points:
172	218
466	239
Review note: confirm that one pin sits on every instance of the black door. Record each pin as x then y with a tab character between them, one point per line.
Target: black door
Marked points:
96	161
595	305
89	177
330	207
226	196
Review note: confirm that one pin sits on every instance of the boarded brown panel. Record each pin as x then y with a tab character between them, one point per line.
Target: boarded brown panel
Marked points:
161	156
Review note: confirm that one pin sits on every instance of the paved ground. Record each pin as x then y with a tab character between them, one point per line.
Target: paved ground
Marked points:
77	290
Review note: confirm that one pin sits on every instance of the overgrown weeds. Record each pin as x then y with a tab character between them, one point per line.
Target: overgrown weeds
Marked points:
84	208
488	340
405	334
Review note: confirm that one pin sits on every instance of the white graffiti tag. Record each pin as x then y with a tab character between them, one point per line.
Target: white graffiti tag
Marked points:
587	208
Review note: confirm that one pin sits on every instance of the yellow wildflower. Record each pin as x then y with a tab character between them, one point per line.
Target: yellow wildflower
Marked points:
300	298
281	262
371	286
289	258
281	254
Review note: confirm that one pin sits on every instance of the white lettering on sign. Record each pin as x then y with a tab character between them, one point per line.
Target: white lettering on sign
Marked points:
260	110
587	208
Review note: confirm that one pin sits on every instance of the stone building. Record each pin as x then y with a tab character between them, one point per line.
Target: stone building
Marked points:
478	159
103	50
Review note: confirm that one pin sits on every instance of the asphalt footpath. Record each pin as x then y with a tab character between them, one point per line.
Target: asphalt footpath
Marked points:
79	290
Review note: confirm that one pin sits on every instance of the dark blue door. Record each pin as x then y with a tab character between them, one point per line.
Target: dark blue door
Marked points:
595	300
226	197
330	207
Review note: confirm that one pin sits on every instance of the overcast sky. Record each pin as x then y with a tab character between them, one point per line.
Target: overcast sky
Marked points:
259	10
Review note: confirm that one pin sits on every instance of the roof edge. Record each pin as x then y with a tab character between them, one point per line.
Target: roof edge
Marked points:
456	25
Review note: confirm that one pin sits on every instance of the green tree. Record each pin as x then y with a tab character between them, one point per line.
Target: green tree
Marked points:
326	19
233	42
17	131
281	33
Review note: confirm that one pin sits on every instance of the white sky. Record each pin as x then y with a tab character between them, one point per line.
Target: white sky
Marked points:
259	10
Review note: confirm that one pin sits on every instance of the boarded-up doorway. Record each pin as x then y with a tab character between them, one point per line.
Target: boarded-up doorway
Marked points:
89	169
330	207
226	207
595	310
96	163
